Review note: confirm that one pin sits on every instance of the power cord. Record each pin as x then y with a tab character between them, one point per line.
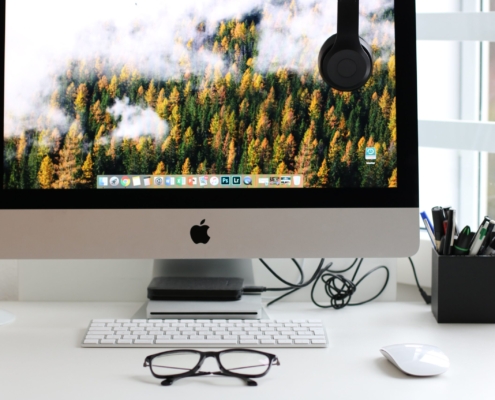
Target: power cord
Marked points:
426	297
338	288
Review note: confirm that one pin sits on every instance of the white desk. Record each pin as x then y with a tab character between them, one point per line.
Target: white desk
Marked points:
39	360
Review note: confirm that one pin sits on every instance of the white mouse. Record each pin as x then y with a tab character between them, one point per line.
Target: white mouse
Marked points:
417	359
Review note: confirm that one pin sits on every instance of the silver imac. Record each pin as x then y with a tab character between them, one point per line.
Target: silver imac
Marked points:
204	130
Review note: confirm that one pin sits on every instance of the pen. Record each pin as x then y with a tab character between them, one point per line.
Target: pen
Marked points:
486	242
480	237
490	250
424	217
429	228
450	235
437	214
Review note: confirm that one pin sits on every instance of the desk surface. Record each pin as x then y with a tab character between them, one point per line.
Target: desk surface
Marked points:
40	358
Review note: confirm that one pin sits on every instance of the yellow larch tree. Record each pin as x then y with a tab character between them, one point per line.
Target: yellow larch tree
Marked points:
160	169
392	182
186	168
150	95
113	87
45	174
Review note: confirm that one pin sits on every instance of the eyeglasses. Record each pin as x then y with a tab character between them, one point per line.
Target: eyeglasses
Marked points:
239	363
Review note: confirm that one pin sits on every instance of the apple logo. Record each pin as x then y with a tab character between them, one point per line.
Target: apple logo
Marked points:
199	233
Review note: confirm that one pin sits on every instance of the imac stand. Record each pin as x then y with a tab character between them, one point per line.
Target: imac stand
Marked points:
6	317
249	307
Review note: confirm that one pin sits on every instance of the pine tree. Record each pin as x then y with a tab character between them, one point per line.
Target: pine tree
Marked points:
45	174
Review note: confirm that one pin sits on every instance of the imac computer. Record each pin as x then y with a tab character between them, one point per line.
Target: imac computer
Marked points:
208	129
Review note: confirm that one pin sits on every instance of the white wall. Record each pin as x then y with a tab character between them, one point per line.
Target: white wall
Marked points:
127	280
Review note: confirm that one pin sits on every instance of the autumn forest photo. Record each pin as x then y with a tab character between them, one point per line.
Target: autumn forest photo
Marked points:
194	87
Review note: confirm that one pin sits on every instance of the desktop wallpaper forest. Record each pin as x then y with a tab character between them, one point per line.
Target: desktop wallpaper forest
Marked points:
191	87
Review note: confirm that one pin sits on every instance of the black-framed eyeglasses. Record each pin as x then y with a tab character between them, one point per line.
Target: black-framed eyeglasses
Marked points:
245	364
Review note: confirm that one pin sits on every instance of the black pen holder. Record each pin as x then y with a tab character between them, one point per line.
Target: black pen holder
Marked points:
463	289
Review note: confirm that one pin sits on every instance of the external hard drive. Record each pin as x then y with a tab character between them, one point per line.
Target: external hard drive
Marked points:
195	289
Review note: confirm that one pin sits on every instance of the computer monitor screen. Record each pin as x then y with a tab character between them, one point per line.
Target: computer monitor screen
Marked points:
128	122
193	94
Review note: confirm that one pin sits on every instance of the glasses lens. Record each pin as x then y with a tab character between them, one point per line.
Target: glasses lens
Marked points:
174	363
245	363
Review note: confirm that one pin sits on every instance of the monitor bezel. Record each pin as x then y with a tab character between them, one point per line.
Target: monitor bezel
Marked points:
406	195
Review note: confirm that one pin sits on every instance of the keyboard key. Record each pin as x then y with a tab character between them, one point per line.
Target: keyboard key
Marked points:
113	337
140	321
147	337
249	342
131	337
124	341
95	336
268	342
107	341
98	328
221	342
142	341
307	337
263	337
281	337
247	337
98	325
91	341
319	341
301	341
228	337
284	341
123	320
177	337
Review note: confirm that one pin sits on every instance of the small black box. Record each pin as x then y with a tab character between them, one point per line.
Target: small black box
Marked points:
195	289
463	289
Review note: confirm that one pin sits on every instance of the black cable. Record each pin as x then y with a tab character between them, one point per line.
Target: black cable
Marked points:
338	288
424	295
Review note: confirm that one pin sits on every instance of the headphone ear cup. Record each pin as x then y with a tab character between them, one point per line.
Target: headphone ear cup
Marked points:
325	49
332	78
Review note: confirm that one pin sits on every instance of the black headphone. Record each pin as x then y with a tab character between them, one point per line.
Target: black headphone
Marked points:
346	60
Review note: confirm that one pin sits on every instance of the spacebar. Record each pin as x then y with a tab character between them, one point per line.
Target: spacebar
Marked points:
196	341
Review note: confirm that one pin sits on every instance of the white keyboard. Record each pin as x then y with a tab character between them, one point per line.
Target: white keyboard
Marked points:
200	333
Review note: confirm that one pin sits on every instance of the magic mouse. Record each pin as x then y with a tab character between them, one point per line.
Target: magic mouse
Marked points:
417	359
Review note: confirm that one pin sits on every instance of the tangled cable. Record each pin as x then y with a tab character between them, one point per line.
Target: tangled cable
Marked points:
338	288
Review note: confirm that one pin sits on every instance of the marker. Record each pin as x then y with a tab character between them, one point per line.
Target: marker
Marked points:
486	241
461	247
480	237
437	214
429	228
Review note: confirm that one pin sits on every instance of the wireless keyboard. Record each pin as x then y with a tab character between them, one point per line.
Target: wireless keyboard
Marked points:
200	333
